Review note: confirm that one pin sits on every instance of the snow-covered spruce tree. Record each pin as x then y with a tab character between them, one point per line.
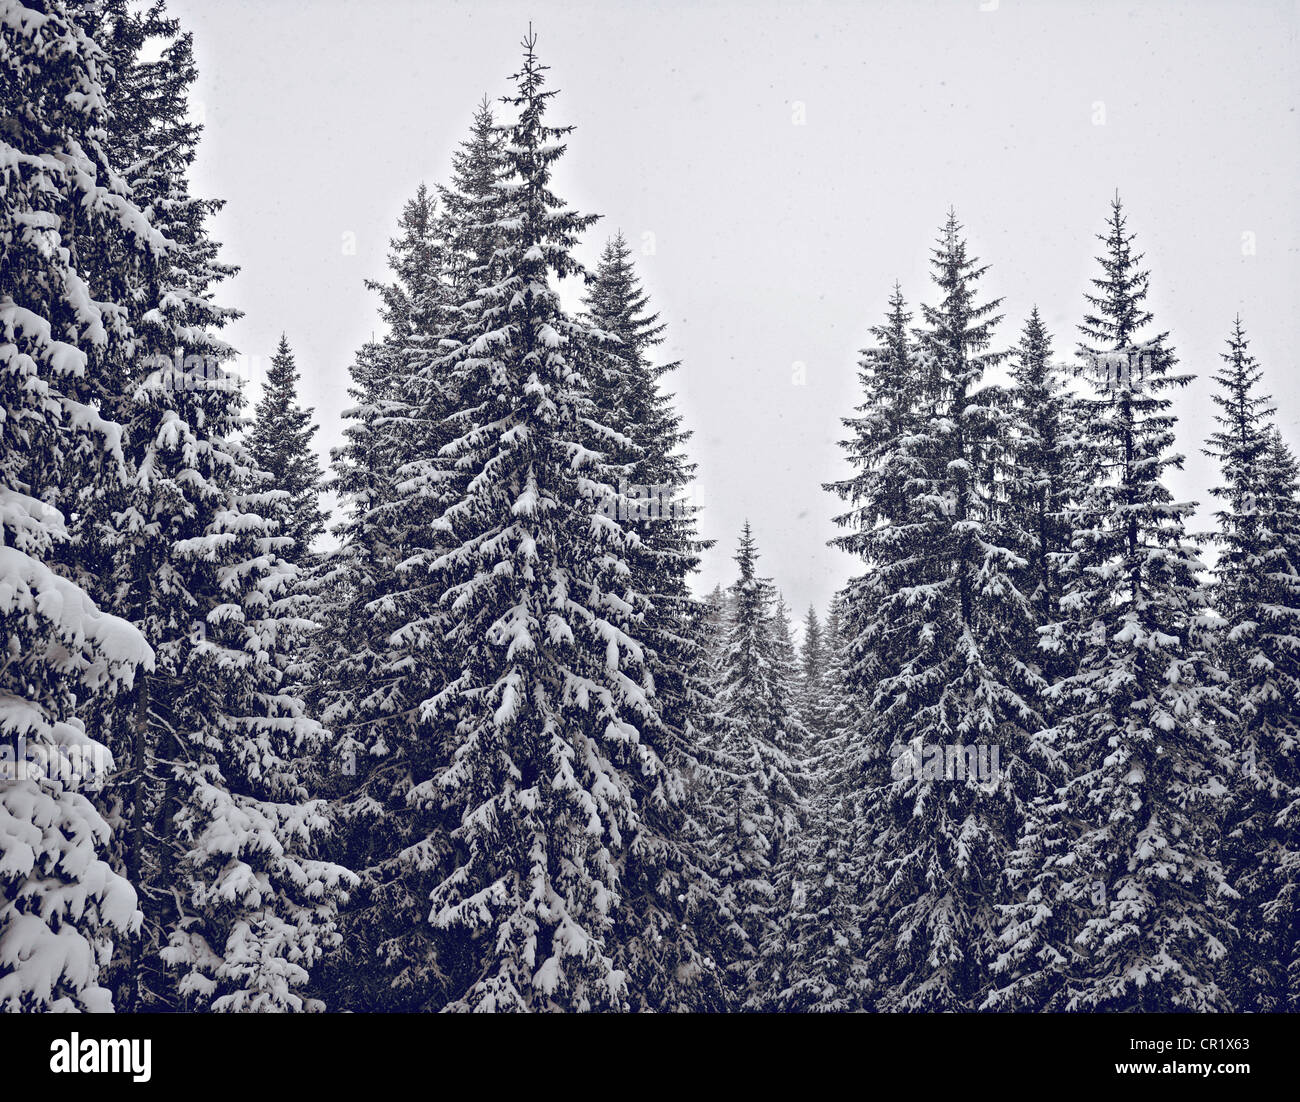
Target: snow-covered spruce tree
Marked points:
815	703
708	783
842	956
1257	591
878	447
62	905
384	585
279	445
670	894
827	971
1121	902
383	646
757	808
213	826
884	524
546	714
1044	469
776	961
957	677
1282	477
279	442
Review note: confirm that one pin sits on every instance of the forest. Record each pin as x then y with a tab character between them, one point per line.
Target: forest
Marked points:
477	740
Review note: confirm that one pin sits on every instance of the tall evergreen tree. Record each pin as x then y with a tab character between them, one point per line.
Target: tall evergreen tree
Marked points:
879	448
214	826
815	695
950	636
777	963
546	715
472	203
62	904
672	895
1043	470
386	582
384	648
1257	591
1120	888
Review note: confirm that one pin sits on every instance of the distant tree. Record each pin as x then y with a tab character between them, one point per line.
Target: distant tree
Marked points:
759	740
279	442
1257	591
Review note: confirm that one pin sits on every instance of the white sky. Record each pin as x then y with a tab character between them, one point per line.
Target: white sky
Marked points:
776	243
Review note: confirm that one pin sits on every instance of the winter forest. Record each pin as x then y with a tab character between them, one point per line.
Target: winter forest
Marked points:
450	724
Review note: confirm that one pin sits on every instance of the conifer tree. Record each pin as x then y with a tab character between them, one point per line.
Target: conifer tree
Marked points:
951	639
545	717
776	964
472	203
674	897
385	580
1044	471
213	824
815	701
279	443
759	740
1257	591
62	904
827	972
384	644
1120	890
879	448
383	432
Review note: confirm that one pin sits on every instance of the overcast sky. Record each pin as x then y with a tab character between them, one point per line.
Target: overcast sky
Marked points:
777	166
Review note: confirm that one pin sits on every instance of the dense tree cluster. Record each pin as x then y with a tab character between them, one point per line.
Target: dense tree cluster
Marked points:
487	749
